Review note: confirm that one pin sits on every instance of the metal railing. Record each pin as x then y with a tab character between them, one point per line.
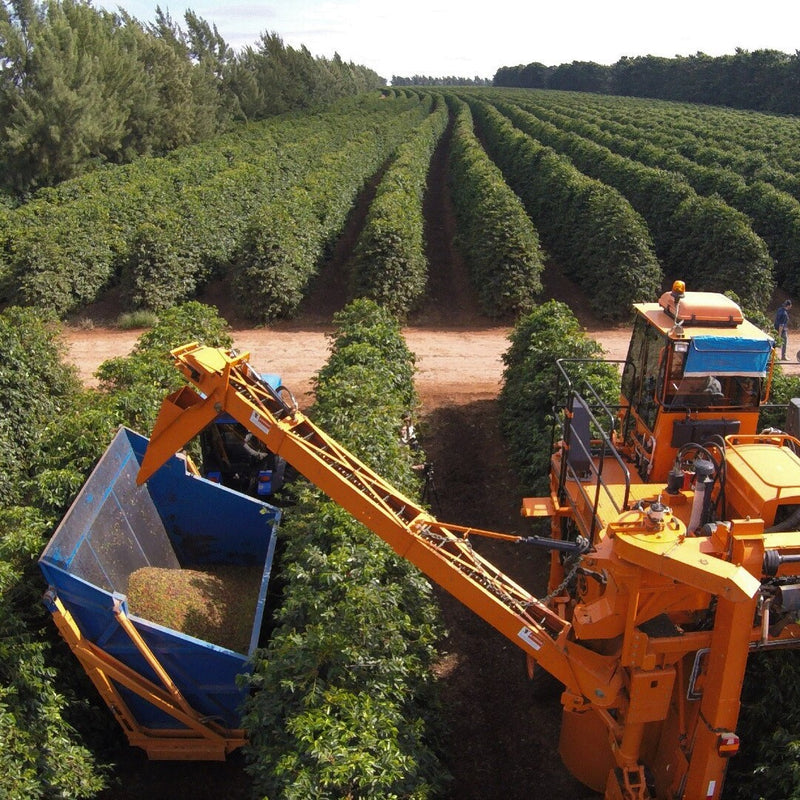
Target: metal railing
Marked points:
594	448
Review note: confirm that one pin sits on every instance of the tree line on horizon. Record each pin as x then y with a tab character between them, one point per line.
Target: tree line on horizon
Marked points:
447	80
758	80
81	86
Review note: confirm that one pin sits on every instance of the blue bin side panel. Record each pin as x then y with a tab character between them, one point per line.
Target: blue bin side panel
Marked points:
204	673
208	523
115	527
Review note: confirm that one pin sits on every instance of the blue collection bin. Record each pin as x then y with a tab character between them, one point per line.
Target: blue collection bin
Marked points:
176	520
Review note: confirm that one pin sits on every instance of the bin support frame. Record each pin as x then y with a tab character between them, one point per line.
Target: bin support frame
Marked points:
201	739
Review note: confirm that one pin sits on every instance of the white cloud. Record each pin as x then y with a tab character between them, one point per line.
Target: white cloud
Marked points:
451	37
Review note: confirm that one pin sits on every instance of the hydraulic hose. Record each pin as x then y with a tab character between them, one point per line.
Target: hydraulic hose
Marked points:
791	523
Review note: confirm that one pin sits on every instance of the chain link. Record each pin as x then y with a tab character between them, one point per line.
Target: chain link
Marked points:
563	585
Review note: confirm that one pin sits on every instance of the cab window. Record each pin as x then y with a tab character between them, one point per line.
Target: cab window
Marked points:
654	377
705	391
640	375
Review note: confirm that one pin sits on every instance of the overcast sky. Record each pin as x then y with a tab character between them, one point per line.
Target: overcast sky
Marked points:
465	39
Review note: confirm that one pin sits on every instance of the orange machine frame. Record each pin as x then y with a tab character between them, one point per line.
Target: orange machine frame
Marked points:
653	651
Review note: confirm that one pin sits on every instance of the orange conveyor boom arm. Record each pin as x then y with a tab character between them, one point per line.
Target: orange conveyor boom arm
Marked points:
225	381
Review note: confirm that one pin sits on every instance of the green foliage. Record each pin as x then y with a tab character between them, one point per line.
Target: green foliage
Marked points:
81	86
57	91
346	703
776	218
285	240
699	236
40	754
528	398
163	227
759	79
363	322
719	249
784	388
279	253
769	729
159	272
69	447
36	387
55	433
390	263
273	77
495	235
130	320
366	386
729	173
60	255
588	227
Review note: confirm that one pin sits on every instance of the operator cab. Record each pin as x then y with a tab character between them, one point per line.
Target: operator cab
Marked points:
696	369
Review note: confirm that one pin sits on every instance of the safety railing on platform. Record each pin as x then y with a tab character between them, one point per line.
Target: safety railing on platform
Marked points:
586	442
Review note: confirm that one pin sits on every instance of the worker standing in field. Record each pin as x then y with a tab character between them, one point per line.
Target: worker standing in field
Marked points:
782	326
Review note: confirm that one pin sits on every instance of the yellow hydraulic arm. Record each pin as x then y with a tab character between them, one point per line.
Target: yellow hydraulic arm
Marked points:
225	381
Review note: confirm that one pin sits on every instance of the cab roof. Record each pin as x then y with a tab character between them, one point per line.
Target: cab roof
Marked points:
699	313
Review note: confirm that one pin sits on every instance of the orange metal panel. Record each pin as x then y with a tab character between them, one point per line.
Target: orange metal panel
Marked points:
719	709
650	694
702	307
660	320
763	472
585	748
538	507
690	563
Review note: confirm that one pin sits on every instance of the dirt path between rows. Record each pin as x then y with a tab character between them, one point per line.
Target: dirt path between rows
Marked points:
448	362
453	366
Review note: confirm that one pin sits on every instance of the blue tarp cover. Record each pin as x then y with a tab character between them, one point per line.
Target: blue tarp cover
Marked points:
728	355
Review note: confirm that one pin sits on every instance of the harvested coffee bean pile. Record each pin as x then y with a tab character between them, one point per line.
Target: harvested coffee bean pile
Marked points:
216	603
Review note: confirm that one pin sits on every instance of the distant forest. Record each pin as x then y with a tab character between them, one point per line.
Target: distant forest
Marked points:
81	86
761	80
447	80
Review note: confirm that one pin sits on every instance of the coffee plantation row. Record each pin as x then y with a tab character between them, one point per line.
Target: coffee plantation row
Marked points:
390	265
161	227
692	234
261	208
587	226
756	146
499	242
774	212
344	701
